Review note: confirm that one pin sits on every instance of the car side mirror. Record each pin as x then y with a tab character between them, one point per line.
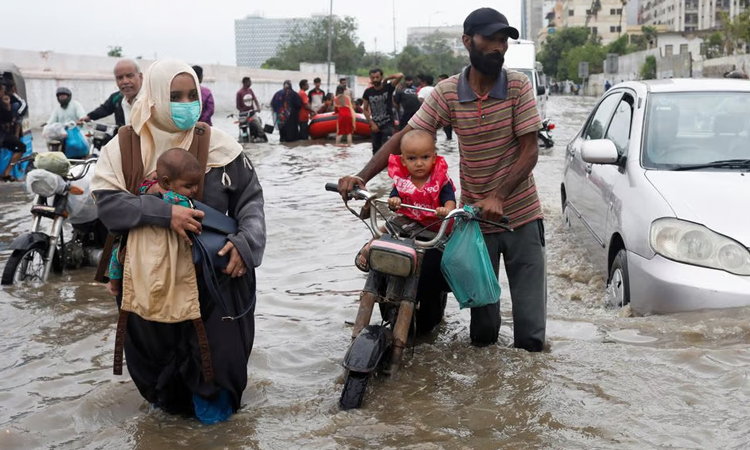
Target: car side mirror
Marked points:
600	151
540	90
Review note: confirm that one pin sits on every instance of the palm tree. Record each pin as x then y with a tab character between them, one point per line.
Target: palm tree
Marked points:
619	27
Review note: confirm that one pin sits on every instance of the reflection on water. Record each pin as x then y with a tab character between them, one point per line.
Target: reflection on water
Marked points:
608	381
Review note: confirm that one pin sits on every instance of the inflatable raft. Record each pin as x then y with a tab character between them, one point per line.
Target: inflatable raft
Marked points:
324	124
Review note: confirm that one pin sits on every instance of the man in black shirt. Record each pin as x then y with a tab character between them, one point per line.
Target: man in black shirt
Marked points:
378	106
406	99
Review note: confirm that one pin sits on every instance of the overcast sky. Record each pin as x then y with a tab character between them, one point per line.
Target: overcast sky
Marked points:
203	31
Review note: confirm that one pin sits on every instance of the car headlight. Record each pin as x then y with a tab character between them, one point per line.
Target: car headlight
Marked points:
695	244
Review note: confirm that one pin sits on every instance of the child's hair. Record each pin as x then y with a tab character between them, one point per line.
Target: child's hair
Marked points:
175	163
340	89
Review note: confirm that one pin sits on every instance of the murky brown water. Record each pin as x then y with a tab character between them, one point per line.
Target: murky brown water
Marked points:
608	382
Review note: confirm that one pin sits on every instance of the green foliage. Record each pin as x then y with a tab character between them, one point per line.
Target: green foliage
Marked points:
310	44
621	46
648	70
376	59
713	47
435	57
592	53
557	45
115	51
735	31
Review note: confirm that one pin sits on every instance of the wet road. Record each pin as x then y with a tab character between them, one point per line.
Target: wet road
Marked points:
607	382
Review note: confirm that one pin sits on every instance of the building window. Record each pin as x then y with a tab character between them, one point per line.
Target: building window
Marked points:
594	30
571	12
668	51
683	49
615	29
612	12
619	11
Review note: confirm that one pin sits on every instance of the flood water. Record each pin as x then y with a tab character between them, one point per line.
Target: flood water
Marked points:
608	380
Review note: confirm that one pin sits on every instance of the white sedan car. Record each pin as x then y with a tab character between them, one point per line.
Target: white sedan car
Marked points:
657	186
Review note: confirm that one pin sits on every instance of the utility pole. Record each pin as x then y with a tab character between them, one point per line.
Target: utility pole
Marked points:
394	27
330	44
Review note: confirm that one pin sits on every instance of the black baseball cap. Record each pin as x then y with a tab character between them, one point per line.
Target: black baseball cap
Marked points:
486	22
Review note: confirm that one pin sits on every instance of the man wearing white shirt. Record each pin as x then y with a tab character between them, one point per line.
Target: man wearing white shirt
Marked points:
129	79
426	87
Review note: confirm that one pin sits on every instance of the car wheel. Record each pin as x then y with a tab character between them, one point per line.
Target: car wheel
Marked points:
618	287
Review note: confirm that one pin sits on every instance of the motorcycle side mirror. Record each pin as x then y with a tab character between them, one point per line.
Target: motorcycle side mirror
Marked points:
540	90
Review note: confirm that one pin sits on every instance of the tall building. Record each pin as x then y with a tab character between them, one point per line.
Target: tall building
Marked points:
633	8
554	18
416	36
689	15
257	39
532	19
608	22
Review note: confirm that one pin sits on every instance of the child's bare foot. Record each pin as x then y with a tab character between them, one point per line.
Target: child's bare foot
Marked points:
361	259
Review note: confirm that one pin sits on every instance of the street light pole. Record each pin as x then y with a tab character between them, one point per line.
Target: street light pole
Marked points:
330	44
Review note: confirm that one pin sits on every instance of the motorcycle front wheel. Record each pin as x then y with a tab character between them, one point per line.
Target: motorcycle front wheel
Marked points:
354	390
25	266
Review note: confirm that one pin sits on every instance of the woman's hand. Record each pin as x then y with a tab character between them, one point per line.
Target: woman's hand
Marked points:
184	220
236	266
394	203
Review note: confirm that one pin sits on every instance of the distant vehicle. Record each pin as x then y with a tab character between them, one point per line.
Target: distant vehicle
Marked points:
521	56
656	185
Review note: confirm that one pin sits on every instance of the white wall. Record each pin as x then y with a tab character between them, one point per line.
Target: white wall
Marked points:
677	39
91	81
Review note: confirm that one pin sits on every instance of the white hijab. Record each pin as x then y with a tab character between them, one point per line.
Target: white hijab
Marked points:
151	119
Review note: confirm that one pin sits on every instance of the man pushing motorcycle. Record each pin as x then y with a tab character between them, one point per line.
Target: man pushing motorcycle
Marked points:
494	114
129	78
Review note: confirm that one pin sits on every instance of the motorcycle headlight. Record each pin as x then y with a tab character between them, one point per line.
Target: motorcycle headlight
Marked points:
695	244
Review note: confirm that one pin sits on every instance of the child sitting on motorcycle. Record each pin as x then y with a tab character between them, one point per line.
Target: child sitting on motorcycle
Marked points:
177	176
420	178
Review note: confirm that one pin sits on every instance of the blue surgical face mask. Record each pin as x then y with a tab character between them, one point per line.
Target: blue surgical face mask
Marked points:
185	115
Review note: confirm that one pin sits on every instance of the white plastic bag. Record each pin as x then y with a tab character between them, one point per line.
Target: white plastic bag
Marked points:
54	132
82	208
44	183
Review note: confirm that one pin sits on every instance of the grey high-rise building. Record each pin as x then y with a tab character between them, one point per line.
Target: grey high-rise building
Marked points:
257	39
532	19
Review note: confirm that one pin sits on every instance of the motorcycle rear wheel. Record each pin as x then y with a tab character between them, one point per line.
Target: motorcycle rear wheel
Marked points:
354	390
25	266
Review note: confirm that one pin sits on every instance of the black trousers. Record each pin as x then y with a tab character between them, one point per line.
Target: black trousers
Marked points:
381	137
524	255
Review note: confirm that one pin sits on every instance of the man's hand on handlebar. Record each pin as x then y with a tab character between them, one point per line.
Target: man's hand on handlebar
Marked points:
83	119
184	220
347	183
492	208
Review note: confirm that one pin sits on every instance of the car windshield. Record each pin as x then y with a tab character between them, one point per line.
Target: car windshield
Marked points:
696	128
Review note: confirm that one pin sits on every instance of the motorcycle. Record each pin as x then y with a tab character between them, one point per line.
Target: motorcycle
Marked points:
64	200
99	134
251	127
544	134
396	259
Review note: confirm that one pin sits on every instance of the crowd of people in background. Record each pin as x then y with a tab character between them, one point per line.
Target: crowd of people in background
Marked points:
12	111
387	104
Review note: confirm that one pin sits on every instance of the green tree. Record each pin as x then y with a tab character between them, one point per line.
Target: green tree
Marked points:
559	43
311	44
649	36
735	31
648	70
621	46
370	61
115	51
433	58
594	54
714	46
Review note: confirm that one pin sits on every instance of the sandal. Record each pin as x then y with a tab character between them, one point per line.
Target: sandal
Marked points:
364	267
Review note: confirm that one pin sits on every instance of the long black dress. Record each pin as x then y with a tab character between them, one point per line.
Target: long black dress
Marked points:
164	359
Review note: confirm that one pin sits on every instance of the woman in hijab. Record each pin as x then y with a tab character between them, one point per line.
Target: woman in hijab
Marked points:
286	105
165	359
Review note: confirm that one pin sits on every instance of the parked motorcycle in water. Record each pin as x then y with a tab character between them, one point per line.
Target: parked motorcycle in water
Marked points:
396	261
251	127
63	200
544	133
97	135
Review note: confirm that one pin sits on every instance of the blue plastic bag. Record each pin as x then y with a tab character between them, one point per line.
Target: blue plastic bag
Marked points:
467	268
19	170
76	146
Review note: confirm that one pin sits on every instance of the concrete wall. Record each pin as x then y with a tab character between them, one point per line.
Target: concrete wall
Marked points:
674	66
629	66
91	80
717	67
